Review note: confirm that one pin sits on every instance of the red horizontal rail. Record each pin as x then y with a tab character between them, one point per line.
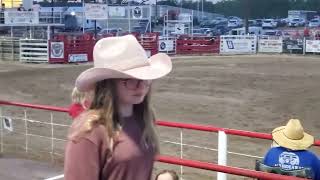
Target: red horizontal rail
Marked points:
163	123
34	106
224	169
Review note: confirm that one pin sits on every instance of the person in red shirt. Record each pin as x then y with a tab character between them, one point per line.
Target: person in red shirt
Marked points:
80	102
306	32
115	138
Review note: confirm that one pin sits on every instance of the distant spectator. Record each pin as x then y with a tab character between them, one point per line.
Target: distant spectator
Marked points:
80	102
317	36
167	175
306	32
3	7
291	153
21	8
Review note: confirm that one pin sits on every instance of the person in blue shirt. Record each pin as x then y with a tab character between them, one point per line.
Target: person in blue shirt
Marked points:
292	153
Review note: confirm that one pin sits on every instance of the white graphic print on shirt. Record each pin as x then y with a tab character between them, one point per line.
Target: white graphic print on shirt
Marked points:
289	161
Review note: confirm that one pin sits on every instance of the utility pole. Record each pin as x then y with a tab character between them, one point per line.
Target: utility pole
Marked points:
95	25
247	7
202	9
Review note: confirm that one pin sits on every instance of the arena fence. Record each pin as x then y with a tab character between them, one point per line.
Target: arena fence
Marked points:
34	50
9	49
53	138
71	48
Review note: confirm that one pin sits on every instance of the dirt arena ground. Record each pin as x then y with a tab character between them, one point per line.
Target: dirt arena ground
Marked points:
250	92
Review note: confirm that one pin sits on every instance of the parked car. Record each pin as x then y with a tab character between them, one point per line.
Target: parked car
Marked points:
114	31
235	23
252	22
259	22
272	33
269	24
314	23
296	22
138	29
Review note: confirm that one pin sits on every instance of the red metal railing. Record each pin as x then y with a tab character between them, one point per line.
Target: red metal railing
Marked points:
224	169
185	162
164	123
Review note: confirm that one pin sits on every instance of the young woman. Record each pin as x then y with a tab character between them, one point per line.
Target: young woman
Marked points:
115	138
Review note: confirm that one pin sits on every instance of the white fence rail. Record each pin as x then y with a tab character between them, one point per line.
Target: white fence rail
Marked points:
34	50
31	130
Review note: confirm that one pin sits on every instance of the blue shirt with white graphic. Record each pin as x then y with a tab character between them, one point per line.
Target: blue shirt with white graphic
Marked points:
292	160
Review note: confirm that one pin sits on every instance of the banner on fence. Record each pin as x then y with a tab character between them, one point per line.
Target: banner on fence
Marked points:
57	50
234	44
7	123
293	45
21	17
270	45
116	11
78	58
96	11
166	45
137	12
179	28
313	46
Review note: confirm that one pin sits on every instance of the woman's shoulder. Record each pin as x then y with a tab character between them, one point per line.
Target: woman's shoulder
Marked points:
86	126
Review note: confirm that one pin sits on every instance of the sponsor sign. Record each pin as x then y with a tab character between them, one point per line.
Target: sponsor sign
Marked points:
96	11
78	58
21	17
57	50
270	45
313	46
117	11
179	28
235	44
137	12
166	45
7	123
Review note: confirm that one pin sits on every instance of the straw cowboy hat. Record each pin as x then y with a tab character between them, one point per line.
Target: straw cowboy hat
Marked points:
292	136
122	57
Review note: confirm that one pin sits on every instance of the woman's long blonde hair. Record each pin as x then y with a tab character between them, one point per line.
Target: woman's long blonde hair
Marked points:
104	110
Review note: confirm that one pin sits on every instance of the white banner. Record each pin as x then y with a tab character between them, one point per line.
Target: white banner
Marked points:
137	12
57	50
313	46
166	45
270	45
96	11
117	11
78	58
179	28
234	44
21	17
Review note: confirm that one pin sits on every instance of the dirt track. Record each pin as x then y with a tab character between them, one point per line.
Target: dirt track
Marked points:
255	93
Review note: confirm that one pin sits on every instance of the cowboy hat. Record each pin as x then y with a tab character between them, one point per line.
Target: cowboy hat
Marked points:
122	57
292	136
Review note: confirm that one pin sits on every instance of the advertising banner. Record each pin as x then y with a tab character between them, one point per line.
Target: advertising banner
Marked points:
78	58
96	11
270	45
21	17
117	11
166	45
137	12
313	46
57	50
235	44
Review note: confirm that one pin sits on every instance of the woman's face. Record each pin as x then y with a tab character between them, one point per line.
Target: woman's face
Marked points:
132	91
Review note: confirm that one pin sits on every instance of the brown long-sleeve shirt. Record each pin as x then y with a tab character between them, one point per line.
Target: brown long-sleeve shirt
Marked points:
91	158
